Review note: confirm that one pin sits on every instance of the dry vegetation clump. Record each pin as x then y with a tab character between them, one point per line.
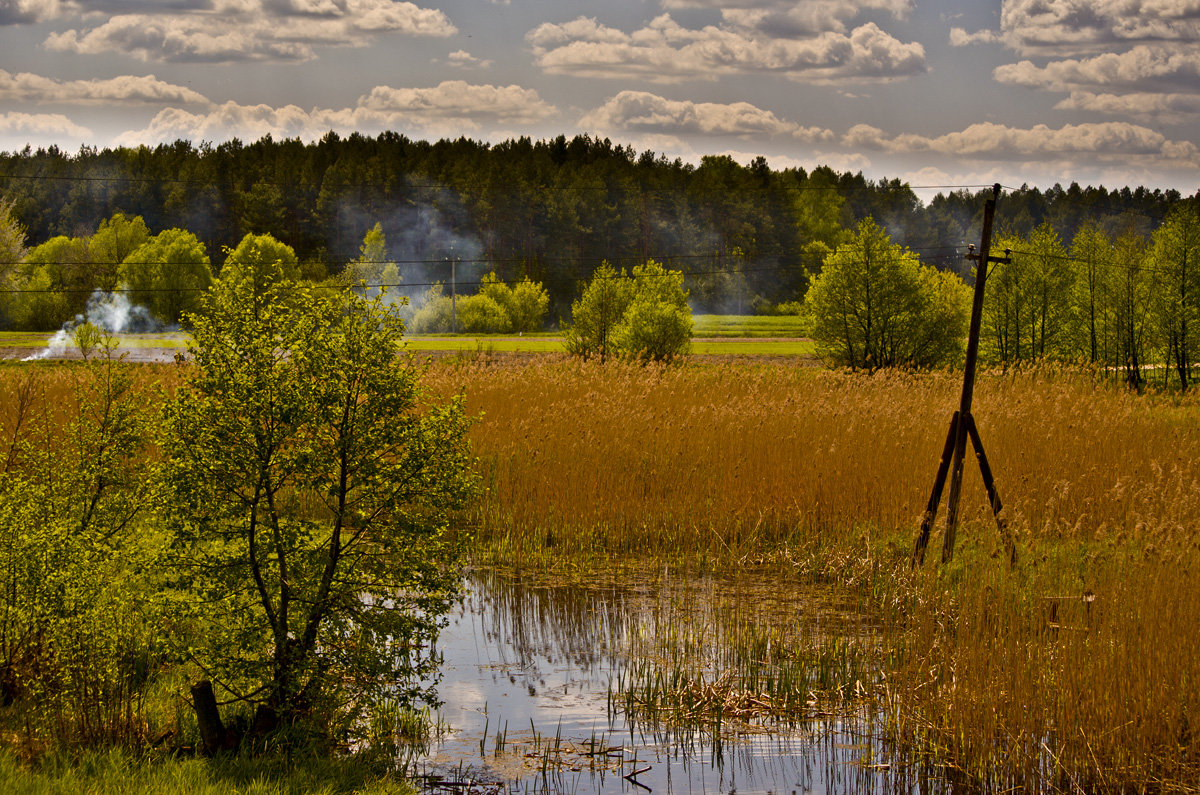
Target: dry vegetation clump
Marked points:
1075	669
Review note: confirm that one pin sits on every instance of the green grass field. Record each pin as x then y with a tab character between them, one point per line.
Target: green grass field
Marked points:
749	326
723	335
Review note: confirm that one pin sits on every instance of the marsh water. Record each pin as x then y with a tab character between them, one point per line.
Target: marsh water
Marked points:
531	681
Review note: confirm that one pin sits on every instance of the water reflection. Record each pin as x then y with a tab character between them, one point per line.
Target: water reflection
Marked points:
526	681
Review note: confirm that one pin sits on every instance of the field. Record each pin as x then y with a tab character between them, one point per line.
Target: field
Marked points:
1075	669
1072	669
719	335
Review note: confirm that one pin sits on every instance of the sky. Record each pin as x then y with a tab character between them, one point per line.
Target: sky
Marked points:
932	92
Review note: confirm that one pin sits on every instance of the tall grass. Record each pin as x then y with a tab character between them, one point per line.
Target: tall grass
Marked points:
1077	668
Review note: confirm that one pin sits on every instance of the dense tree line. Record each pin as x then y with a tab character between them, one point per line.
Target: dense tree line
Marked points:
552	210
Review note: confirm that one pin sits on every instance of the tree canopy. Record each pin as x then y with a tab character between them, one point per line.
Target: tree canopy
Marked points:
875	305
310	483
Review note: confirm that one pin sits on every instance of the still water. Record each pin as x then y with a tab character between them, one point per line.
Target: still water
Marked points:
527	678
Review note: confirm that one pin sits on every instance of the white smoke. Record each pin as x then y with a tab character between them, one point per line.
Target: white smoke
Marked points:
110	312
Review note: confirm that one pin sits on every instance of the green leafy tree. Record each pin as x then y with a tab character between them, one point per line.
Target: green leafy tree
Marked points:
598	312
263	260
1175	252
1050	283
875	305
1091	251
12	255
115	239
56	280
482	314
432	313
167	274
644	315
657	324
309	483
525	303
372	267
78	561
1130	298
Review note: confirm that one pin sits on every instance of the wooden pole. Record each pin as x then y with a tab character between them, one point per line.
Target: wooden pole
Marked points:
968	390
935	497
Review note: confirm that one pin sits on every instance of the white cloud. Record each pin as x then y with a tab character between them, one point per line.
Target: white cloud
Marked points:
452	107
783	19
455	100
1138	67
465	60
665	52
1083	26
40	125
642	112
251	30
961	38
27	87
22	12
1163	107
1105	141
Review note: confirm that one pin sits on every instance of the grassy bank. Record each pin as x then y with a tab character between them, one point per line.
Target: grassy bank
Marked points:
118	772
1074	669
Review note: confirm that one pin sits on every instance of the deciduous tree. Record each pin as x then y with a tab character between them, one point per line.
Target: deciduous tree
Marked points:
310	483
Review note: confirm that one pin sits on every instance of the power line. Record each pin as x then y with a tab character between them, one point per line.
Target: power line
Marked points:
399	285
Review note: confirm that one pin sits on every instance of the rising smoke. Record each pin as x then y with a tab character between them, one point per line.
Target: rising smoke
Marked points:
110	312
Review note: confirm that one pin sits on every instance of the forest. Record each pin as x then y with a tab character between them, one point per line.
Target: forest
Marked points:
746	237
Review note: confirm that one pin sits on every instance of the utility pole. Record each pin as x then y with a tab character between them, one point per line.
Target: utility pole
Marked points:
453	293
962	424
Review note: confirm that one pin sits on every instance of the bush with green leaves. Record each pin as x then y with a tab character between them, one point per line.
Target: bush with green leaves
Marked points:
525	303
167	274
643	315
78	555
875	305
308	483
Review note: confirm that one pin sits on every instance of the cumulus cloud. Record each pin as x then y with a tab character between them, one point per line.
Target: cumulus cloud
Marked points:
251	30
643	113
452	107
961	38
1141	66
813	16
1104	141
666	52
27	87
24	12
465	60
1082	26
1164	107
40	125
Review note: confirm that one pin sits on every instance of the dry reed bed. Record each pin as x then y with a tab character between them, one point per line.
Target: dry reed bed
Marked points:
1007	676
728	462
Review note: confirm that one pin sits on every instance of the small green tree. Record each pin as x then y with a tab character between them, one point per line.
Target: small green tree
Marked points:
309	483
875	305
432	313
657	324
482	314
598	312
525	303
115	239
372	267
1175	252
167	274
644	315
263	260
78	563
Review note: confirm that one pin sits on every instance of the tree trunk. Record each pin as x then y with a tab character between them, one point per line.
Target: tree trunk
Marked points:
212	731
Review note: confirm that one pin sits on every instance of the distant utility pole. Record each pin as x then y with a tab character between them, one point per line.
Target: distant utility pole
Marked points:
453	293
962	424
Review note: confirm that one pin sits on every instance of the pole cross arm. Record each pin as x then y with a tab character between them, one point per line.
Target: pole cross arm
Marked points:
1006	259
